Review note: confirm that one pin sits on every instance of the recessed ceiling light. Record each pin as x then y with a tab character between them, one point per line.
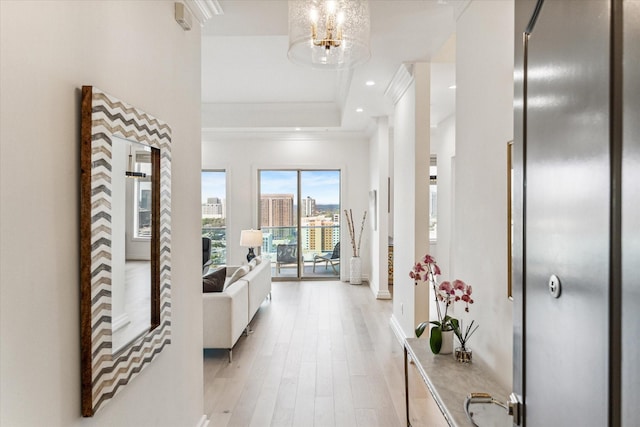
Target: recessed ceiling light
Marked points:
452	87
297	128
370	83
359	110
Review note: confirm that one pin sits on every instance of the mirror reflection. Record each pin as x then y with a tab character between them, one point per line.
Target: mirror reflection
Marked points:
131	241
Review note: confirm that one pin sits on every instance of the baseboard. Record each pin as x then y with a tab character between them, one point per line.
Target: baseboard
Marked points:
383	294
204	421
120	322
397	329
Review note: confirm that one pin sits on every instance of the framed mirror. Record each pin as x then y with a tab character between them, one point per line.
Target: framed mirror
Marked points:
125	244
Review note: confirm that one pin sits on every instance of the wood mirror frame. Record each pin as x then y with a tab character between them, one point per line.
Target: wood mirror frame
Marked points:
104	373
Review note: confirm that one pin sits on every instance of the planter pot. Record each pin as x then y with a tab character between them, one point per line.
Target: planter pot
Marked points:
355	271
447	342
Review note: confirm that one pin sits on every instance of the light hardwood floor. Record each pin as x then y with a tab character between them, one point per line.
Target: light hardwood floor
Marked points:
321	354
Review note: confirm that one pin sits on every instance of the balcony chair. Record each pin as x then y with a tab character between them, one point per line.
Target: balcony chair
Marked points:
330	257
206	255
286	255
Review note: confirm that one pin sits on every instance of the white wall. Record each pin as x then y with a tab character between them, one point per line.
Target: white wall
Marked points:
242	156
484	125
443	145
379	223
411	142
136	52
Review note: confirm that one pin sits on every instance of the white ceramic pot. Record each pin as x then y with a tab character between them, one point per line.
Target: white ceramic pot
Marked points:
447	342
355	270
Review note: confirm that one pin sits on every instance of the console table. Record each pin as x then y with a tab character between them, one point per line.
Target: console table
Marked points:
448	381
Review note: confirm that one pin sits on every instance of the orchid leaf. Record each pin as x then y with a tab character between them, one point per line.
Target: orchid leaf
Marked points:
435	340
420	328
454	323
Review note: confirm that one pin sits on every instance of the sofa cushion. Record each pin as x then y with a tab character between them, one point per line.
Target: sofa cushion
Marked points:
240	271
214	281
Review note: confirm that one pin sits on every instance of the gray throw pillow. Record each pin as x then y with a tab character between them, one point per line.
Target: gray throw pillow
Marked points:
214	281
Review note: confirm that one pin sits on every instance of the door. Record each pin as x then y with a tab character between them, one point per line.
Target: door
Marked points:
563	337
300	217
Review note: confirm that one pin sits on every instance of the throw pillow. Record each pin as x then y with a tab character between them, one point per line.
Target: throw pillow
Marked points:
240	271
214	281
258	259
252	264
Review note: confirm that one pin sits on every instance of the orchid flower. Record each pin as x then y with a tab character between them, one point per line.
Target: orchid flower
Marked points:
446	293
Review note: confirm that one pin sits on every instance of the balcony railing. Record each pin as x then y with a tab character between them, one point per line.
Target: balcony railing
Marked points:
314	240
218	236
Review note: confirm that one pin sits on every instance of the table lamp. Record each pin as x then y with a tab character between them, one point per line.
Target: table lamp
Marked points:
251	239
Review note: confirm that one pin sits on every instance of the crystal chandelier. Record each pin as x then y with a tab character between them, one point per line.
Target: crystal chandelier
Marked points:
329	34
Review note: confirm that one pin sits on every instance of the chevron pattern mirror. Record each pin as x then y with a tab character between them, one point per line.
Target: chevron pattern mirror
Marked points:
113	134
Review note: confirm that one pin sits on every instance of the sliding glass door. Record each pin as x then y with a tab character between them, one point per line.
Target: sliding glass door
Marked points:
300	219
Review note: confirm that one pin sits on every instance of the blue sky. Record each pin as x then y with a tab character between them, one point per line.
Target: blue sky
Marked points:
324	186
213	185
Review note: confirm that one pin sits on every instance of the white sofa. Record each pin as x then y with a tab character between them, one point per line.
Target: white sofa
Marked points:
226	314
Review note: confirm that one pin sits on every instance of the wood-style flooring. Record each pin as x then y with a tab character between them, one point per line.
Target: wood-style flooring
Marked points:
320	354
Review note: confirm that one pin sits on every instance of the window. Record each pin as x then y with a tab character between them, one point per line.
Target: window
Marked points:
142	192
214	215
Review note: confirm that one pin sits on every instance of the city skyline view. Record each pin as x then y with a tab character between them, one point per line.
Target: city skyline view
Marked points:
213	185
323	186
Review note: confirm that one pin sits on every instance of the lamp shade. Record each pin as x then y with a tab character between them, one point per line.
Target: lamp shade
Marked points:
251	238
329	34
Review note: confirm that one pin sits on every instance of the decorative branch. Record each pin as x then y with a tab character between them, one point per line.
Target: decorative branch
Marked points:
352	231
364	217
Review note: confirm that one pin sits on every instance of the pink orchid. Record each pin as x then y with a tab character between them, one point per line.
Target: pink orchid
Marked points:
445	286
428	259
446	292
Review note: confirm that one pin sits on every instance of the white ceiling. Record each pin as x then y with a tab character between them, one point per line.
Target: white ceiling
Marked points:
249	84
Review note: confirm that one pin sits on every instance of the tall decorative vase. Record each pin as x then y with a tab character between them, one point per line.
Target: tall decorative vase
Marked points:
447	342
355	270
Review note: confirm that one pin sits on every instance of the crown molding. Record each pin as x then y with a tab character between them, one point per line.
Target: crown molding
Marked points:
399	83
459	6
204	10
276	135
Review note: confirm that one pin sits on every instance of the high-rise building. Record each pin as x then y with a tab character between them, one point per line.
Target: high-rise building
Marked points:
308	207
276	210
319	234
214	208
